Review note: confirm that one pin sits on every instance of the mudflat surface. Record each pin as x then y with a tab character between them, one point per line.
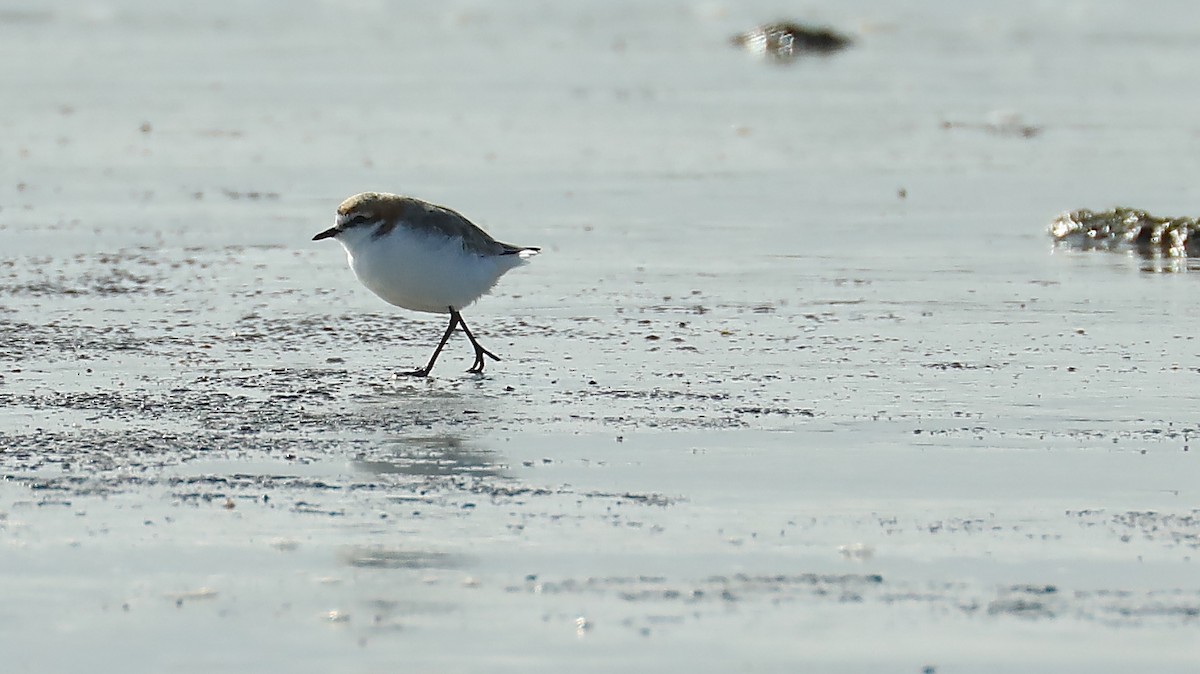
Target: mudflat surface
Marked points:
798	380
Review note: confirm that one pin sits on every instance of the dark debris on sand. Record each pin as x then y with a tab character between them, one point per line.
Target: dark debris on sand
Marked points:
785	41
1123	229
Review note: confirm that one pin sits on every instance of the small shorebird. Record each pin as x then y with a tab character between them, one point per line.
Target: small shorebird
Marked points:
422	257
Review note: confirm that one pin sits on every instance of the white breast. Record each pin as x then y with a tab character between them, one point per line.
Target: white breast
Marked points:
423	271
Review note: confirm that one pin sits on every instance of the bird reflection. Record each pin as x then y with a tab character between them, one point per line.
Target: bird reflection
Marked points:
437	455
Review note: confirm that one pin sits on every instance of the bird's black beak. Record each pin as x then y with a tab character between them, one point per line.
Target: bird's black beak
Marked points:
331	232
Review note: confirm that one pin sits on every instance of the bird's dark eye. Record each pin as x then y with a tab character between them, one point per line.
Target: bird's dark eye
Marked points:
359	219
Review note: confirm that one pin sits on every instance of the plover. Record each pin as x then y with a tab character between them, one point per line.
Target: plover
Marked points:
422	257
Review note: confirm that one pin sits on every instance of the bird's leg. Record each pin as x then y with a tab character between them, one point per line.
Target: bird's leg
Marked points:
455	319
480	352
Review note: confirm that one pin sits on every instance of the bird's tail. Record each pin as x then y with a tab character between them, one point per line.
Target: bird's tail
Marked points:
521	251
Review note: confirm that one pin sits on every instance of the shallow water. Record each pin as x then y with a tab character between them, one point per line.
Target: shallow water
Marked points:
799	378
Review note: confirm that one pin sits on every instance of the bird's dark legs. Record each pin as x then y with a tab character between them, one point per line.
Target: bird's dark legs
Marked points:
456	320
480	352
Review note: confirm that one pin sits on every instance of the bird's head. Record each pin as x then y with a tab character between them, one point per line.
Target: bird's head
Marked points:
361	216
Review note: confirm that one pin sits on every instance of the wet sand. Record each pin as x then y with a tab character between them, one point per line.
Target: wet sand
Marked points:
798	381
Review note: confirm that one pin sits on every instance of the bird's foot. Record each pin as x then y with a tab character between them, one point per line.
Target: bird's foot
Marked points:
480	352
419	372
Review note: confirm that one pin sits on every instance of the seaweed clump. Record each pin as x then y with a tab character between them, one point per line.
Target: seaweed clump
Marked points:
1123	229
785	41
